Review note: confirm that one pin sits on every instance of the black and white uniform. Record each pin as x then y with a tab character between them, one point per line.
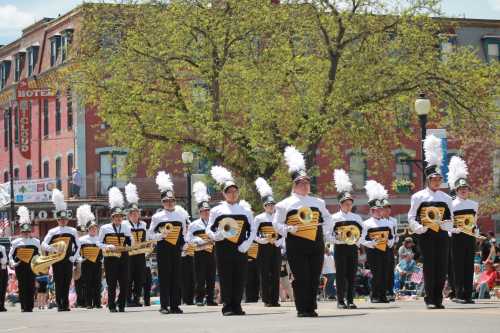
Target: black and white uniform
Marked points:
269	258
91	259
187	273
21	252
346	256
304	256
148	280
204	261
116	268
63	270
252	286
137	262
232	259
391	256
169	255
464	248
434	245
4	276
377	259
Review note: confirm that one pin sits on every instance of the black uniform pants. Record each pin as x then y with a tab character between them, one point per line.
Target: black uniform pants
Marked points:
91	277
270	265
26	286
346	263
117	273
434	247
169	273
63	273
463	248
390	270
378	262
204	273
232	268
306	264
80	292
137	276
147	286
4	277
187	282
253	281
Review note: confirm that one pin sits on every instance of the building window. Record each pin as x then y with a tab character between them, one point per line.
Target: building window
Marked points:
18	66
111	167
55	46
66	40
16	174
5	176
6	135
4	73
46	117
70	165
403	167
69	109
32	59
58	173
358	170
58	113
29	171
493	53
46	173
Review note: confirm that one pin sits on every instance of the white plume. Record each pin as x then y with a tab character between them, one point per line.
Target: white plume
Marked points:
131	193
263	187
342	181
115	197
24	215
294	159
84	215
164	181
375	190
221	174
200	192
58	200
457	169
246	205
433	150
182	211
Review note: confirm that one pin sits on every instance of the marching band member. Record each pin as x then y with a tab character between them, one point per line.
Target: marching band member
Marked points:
232	228
386	214
304	221
430	217
187	271
90	257
378	238
112	238
63	270
139	233
204	259
252	286
4	277
22	251
168	226
463	237
347	230
269	246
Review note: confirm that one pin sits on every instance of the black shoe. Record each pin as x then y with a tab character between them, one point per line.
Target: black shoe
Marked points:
60	309
98	306
89	307
228	313
377	300
121	310
28	310
3	310
351	306
440	306
66	309
239	313
391	298
212	304
164	311
313	314
112	310
274	305
200	303
176	310
431	306
341	306
469	301
147	304
189	303
303	314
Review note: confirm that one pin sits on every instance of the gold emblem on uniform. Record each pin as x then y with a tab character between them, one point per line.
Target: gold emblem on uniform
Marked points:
25	254
174	231
90	252
307	222
253	251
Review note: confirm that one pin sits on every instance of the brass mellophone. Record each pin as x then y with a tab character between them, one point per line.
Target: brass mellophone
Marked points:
348	234
142	247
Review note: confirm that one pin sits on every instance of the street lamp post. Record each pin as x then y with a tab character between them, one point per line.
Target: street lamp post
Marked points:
187	159
422	107
12	214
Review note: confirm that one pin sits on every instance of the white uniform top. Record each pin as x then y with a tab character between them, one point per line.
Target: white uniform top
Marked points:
139	230
373	224
427	197
265	217
294	202
3	258
465	207
178	215
73	246
394	226
226	209
22	242
122	231
87	240
339	219
196	227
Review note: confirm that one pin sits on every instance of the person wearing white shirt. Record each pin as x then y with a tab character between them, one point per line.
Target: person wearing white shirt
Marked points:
434	243
328	272
91	259
4	277
305	244
231	247
390	251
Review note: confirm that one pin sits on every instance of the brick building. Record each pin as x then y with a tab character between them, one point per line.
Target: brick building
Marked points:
64	134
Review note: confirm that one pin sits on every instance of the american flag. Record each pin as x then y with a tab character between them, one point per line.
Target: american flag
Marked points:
4	224
417	277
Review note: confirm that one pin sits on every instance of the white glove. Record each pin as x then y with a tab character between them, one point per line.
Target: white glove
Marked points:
185	246
243	248
420	230
157	236
14	264
455	231
262	240
73	258
51	249
291	228
447	226
110	247
198	240
218	236
279	242
371	244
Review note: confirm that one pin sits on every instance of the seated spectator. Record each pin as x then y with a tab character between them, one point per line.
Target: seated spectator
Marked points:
487	280
406	248
404	269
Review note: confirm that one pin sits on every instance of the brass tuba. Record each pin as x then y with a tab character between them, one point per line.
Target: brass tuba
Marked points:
40	264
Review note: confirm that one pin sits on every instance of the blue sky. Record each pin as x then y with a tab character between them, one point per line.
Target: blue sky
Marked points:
17	14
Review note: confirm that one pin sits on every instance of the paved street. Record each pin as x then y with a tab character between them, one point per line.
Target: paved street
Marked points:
398	317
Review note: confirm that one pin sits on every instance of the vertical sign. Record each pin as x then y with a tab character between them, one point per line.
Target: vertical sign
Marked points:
441	133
